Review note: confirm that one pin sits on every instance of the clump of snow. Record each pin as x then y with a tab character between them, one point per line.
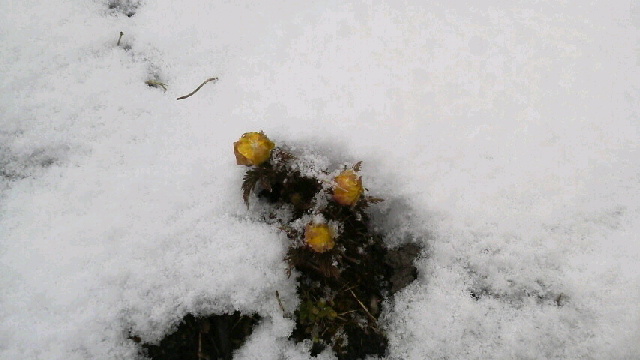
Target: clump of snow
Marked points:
308	161
503	136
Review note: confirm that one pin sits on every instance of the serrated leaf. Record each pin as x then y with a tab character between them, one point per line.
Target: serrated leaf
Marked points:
245	195
249	182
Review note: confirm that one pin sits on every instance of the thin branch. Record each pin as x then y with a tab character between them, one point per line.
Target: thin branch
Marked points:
120	38
214	79
280	302
284	312
201	355
363	307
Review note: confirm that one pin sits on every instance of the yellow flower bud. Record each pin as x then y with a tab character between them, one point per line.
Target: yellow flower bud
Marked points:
348	188
253	148
319	237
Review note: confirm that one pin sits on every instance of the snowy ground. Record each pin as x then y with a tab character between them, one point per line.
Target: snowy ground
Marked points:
504	136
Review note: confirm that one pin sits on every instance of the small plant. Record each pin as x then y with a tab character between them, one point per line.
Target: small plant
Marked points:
342	267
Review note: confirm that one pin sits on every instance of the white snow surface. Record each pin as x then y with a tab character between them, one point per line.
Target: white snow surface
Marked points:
503	136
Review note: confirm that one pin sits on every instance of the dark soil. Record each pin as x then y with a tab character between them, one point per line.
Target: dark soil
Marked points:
212	337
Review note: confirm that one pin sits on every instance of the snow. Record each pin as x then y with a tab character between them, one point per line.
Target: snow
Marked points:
503	136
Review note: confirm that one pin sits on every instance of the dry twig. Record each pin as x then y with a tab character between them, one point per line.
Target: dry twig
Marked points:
280	302
363	307
120	38
214	79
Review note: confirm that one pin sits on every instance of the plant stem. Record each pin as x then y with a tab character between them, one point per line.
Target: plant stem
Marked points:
198	88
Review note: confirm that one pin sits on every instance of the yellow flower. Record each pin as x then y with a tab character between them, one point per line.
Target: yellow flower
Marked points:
348	188
319	237
253	148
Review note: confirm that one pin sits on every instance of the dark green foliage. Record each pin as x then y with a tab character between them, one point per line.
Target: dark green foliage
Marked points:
341	290
352	278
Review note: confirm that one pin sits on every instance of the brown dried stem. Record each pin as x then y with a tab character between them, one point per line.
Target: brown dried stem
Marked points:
120	38
198	88
363	307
